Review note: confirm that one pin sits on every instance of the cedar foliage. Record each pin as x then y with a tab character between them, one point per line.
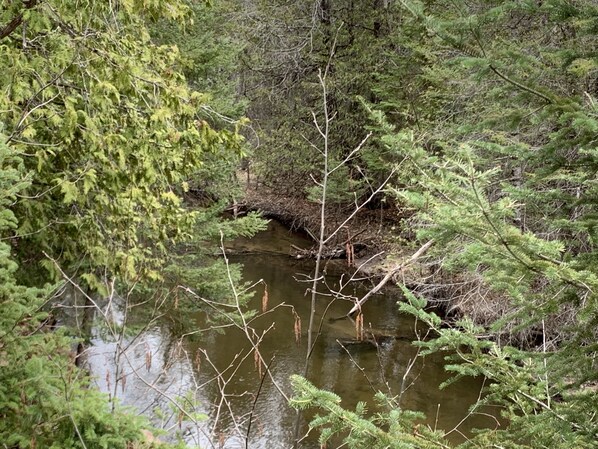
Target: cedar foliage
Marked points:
45	401
111	130
102	138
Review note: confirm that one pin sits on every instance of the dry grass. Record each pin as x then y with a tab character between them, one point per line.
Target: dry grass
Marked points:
468	295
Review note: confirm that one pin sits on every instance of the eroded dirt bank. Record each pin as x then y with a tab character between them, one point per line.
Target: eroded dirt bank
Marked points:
379	244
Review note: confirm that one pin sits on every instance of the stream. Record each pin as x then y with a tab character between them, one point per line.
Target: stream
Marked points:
156	368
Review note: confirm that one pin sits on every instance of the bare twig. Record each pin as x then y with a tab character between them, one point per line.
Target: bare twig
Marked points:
420	252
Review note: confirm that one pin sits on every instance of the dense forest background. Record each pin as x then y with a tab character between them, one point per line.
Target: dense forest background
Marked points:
123	125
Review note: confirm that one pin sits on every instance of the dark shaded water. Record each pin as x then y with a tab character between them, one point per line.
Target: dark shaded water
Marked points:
159	369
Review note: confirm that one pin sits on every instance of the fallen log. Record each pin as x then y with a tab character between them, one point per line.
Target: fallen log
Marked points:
331	253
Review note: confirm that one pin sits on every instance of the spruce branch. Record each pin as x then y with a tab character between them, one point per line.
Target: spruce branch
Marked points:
473	52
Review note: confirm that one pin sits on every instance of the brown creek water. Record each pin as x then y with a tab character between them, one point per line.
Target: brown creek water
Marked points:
158	368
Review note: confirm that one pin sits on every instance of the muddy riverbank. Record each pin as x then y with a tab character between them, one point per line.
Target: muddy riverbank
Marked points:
384	241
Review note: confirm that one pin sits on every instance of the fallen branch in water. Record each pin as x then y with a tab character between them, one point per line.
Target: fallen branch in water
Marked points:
420	252
339	252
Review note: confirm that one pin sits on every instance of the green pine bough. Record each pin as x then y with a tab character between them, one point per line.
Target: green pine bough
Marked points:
499	140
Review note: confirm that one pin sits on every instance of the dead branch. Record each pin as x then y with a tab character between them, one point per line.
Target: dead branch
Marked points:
420	252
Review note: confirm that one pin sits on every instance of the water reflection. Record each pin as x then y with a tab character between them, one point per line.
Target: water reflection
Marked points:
218	376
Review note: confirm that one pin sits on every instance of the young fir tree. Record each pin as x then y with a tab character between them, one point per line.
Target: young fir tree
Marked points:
500	169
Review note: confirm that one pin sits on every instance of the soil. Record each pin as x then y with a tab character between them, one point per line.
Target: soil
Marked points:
371	232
